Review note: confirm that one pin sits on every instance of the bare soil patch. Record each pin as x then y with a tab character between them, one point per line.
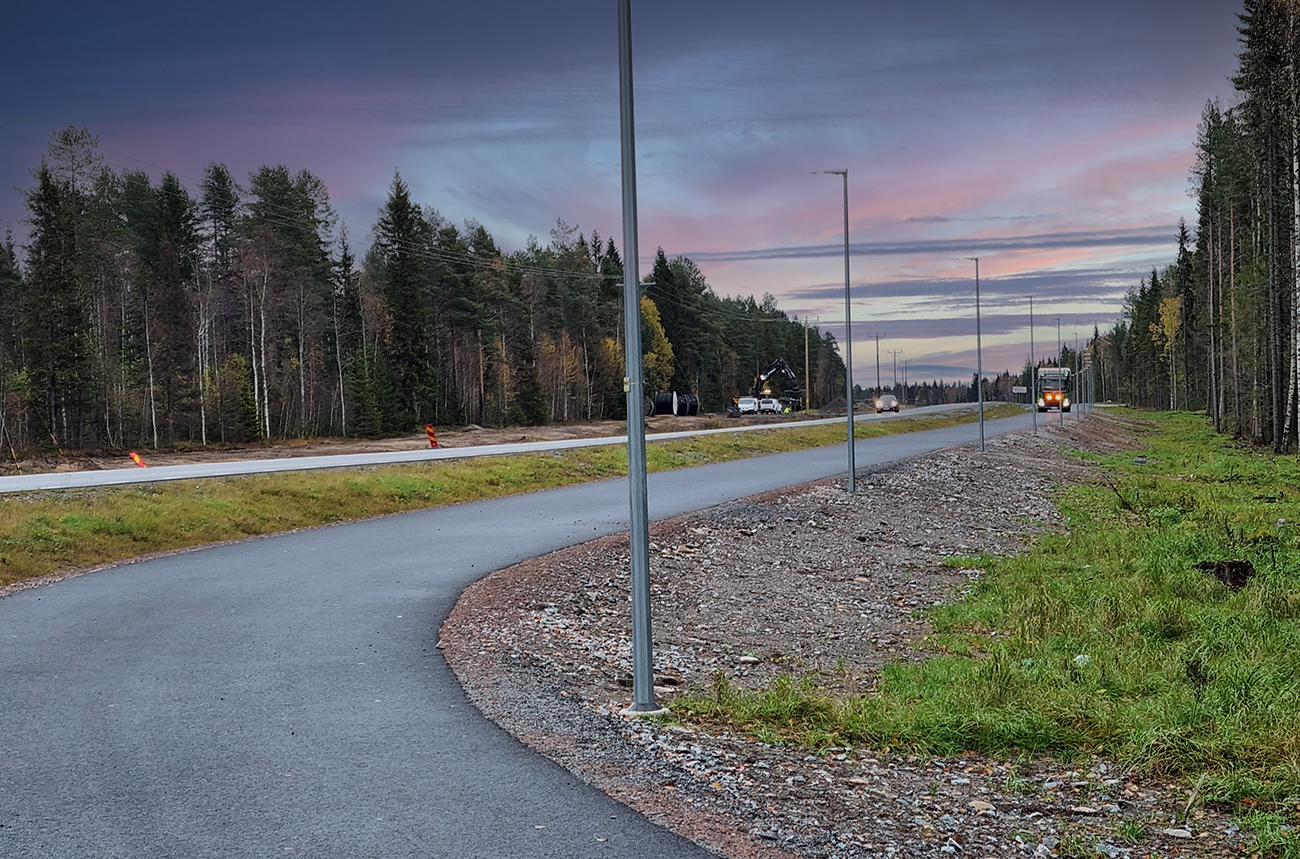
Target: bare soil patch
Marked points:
803	581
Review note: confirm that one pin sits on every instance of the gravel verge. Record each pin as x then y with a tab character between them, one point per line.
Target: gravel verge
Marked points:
800	581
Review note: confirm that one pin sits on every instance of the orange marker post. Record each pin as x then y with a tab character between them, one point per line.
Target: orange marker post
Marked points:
135	457
433	439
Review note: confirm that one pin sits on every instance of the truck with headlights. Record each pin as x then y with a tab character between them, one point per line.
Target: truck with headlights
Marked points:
1053	389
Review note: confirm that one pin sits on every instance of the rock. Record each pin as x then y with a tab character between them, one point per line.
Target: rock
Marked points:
1234	574
1172	833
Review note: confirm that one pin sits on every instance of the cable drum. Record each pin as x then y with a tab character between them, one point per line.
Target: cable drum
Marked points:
663	404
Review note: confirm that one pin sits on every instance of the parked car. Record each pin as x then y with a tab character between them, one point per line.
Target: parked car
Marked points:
887	403
769	406
747	405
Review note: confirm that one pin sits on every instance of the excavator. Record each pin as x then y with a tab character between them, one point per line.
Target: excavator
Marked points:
761	399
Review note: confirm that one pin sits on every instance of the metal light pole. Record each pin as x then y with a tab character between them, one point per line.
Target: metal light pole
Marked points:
979	353
1078	418
848	325
894	353
639	527
1061	410
1033	368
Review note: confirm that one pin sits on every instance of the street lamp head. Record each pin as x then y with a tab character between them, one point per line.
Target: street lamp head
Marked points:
844	172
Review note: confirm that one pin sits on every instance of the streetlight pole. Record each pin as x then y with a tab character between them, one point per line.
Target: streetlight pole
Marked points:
639	526
848	326
979	352
1078	418
894	353
1061	410
1033	368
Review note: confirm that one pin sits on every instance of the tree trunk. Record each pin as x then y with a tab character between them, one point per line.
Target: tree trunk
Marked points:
338	361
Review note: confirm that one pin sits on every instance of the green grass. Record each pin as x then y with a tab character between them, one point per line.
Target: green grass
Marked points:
47	532
1106	639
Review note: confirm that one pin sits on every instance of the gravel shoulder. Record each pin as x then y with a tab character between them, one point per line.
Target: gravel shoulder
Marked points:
802	581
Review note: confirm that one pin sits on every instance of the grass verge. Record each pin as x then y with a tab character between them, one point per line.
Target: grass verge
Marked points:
1107	639
49	532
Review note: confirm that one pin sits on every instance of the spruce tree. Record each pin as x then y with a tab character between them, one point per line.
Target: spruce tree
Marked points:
53	318
402	239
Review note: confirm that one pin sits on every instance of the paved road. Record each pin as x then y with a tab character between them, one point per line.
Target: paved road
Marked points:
284	696
128	475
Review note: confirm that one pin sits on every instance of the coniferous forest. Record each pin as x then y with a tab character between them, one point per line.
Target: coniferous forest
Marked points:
141	313
1219	328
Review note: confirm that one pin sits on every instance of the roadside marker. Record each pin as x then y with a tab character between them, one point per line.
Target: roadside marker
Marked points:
136	458
433	439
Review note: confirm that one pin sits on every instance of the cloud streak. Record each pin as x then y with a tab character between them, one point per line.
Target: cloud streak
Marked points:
1053	139
1164	237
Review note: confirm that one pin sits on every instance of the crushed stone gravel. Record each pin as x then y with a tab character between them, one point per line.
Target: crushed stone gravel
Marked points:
802	581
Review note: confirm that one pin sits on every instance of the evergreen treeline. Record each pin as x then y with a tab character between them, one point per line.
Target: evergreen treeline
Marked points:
140	314
1219	329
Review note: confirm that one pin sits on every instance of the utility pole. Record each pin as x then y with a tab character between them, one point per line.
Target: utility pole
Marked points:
877	337
895	353
807	378
904	398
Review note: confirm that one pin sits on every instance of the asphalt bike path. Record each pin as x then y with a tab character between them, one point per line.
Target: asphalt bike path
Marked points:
284	696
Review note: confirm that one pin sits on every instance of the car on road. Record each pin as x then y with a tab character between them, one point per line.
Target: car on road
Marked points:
747	405
769	406
887	403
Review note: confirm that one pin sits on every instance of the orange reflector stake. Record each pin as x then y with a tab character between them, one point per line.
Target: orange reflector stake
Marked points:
136	458
433	439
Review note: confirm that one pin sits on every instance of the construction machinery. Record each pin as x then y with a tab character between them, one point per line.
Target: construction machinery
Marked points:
791	400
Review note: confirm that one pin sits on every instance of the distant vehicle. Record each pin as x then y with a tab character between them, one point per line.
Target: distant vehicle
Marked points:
794	394
887	403
1053	389
762	399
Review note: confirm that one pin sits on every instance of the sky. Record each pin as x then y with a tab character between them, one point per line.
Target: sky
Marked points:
1052	140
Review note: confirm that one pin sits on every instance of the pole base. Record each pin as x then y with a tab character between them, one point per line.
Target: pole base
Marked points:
638	711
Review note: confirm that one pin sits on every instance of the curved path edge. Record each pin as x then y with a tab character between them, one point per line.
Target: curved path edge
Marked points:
285	695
